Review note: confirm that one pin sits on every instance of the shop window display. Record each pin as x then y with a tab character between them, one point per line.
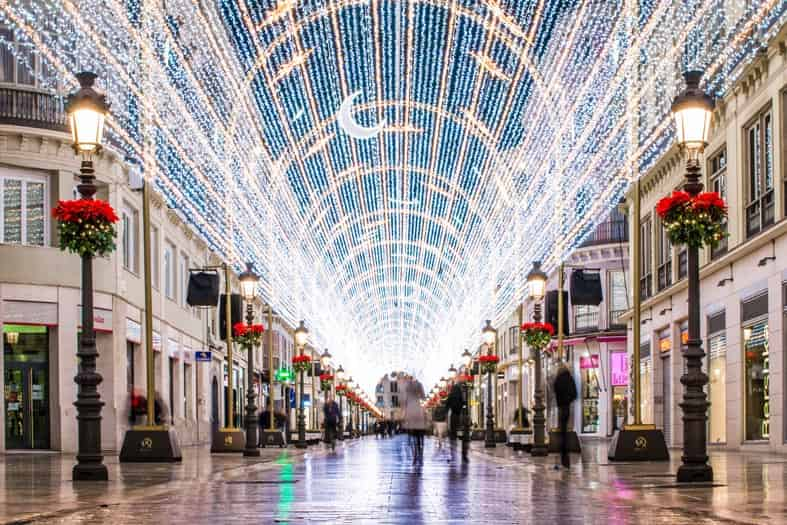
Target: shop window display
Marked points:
757	377
717	376
588	366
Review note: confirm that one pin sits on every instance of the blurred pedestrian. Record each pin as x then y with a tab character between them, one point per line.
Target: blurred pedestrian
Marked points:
331	413
415	422
565	393
455	403
440	421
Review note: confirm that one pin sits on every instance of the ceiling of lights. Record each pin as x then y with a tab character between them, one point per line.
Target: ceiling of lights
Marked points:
505	129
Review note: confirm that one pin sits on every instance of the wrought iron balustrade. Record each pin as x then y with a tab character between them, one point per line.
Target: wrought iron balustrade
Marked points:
23	106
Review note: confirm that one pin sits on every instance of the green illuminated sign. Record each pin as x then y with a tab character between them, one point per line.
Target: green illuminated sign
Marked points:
284	375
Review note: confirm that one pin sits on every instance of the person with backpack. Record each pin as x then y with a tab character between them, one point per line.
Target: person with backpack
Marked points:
440	421
565	394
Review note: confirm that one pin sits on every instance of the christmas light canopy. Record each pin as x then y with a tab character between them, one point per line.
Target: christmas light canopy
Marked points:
390	166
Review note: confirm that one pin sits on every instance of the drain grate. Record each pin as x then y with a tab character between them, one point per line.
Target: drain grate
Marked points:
261	482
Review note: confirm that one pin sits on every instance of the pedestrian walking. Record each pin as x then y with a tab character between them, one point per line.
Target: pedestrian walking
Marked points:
331	417
415	421
565	393
455	403
440	421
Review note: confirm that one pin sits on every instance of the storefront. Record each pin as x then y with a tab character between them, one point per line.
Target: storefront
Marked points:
26	386
756	368
619	373
646	382
717	377
665	354
590	390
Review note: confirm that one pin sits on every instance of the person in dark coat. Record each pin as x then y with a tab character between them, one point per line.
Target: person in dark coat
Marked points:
331	413
455	403
565	394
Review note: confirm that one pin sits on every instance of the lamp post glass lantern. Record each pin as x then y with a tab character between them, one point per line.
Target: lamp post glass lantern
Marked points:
452	373
339	377
692	111
467	359
536	286
87	110
301	334
489	336
248	288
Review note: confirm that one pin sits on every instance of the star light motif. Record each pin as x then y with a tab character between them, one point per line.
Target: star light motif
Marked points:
397	248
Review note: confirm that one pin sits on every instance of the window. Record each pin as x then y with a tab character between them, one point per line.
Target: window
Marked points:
169	271
380	403
664	258
394	401
759	174
23	207
717	181
757	380
394	387
585	318
129	218
186	389
154	257
184	279
717	378
513	336
618	296
646	239
19	69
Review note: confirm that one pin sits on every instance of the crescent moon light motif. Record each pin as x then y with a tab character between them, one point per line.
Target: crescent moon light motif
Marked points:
350	126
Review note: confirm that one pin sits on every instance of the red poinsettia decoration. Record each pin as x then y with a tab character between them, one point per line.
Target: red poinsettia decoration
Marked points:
248	335
341	389
695	221
537	335
301	362
326	380
85	226
488	363
443	393
467	378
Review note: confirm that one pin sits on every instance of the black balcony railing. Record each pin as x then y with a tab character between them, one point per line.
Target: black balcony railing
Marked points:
24	107
586	321
607	232
614	319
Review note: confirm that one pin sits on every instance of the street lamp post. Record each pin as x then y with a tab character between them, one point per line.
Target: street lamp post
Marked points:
325	364
300	342
340	379
489	336
87	110
248	287
537	283
692	110
467	362
349	387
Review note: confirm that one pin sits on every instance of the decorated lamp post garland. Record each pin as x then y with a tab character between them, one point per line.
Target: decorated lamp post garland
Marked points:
248	335
537	335
326	380
488	363
86	226
695	221
301	363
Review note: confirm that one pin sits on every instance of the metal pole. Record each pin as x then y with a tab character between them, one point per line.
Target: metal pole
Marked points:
489	441
251	449
636	275
301	416
539	448
314	422
270	367
694	467
150	364
230	424
560	327
90	466
520	375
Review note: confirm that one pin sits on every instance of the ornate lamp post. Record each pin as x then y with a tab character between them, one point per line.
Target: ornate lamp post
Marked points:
87	109
300	342
489	336
452	373
248	289
692	110
537	285
340	392
325	365
350	387
467	362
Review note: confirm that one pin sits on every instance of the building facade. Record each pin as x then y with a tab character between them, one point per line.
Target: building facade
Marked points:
743	288
388	395
40	292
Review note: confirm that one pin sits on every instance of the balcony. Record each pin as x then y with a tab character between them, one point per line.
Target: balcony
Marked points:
21	106
586	320
608	232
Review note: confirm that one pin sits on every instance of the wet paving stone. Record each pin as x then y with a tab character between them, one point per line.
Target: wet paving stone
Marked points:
377	481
